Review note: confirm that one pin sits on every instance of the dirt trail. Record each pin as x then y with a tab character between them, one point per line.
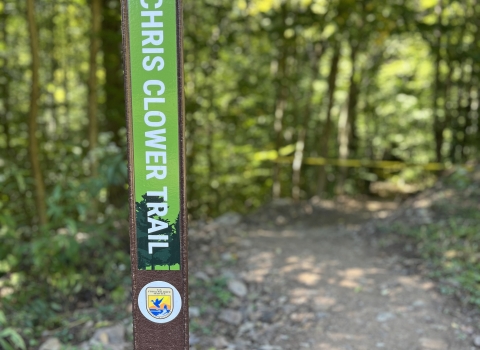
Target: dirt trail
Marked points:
313	282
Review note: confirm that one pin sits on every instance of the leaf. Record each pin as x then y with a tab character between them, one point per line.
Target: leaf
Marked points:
56	307
3	319
4	345
15	338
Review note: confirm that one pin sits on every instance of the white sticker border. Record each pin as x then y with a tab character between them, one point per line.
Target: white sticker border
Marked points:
142	302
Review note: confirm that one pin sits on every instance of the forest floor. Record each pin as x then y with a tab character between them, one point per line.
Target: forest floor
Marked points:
317	276
333	275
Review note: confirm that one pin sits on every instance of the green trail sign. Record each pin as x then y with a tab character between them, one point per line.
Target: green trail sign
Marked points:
154	93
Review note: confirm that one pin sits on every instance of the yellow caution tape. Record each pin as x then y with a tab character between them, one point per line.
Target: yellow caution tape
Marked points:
273	154
365	163
282	157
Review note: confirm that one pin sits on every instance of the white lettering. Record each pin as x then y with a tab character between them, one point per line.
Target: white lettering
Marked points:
154	172
156	139
153	89
160	209
152	23
152	245
151	35
150	66
152	50
153	82
157	225
147	101
154	114
145	5
155	156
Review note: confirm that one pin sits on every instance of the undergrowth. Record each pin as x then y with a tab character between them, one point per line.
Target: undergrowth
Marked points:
451	242
452	248
48	274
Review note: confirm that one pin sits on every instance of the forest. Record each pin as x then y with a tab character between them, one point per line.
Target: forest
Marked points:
284	99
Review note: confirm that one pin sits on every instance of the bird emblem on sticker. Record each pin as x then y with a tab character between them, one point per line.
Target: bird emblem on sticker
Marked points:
159	302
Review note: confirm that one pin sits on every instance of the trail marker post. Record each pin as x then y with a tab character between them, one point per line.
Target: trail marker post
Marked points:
153	63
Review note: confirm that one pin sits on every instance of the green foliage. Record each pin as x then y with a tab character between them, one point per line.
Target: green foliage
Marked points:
73	260
459	179
452	248
451	242
215	293
10	339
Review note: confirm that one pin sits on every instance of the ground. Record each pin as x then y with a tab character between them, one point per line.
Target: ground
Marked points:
329	275
307	275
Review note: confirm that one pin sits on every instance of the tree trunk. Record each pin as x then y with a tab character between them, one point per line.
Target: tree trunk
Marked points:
437	123
191	126
347	130
315	57
470	141
469	118
6	84
212	208
53	67
326	133
66	62
280	102
111	46
114	95
454	124
93	85
33	148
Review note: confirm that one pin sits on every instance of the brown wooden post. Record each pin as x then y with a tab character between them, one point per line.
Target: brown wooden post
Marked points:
153	64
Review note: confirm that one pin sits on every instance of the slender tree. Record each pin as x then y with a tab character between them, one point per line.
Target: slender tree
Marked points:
112	61
5	87
114	106
281	96
438	126
327	126
33	148
315	54
347	125
96	16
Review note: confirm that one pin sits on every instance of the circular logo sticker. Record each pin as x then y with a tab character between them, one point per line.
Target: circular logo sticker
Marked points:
159	302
